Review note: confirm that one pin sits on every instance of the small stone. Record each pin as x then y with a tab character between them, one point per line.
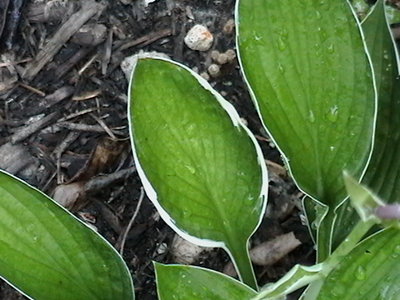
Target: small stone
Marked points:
214	55
222	59
231	55
229	26
90	35
205	76
214	70
199	38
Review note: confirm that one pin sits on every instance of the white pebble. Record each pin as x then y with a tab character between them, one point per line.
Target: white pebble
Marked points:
213	70
231	54
199	38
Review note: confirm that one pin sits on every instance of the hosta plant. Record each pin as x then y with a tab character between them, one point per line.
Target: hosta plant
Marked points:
325	86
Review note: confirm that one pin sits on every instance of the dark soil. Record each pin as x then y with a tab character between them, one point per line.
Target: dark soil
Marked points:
86	135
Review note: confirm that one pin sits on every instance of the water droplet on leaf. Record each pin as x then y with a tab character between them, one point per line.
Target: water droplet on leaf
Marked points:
311	116
360	273
281	68
333	113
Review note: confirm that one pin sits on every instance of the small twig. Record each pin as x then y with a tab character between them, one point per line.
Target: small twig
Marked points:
87	64
26	131
105	127
85	127
147	39
32	89
107	53
128	228
9	63
99	182
78	114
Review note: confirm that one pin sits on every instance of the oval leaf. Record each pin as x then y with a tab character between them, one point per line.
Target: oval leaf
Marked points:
48	254
382	175
371	271
178	282
199	164
311	78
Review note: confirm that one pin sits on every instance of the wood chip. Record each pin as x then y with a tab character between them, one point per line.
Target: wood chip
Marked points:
54	44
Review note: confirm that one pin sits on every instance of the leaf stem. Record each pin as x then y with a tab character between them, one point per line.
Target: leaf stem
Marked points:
358	232
347	245
240	255
324	236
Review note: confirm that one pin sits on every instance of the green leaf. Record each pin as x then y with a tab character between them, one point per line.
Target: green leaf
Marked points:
298	277
383	172
178	282
48	254
371	271
346	218
199	164
306	64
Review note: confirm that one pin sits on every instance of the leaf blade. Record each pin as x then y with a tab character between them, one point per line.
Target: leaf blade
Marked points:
382	173
200	165
321	125
46	253
180	282
373	263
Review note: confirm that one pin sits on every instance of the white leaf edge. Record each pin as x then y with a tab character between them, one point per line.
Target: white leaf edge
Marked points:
237	122
77	219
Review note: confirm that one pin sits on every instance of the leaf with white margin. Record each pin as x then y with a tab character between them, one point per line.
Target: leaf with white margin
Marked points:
311	80
46	253
200	166
298	277
180	282
383	172
371	271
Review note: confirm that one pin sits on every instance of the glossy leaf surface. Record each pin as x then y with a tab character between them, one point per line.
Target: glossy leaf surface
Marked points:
200	166
371	271
48	254
306	64
383	172
178	282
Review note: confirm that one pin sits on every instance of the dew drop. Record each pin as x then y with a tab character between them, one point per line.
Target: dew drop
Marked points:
332	148
281	68
250	198
385	55
191	169
331	48
333	113
311	116
360	273
338	291
281	43
186	214
397	249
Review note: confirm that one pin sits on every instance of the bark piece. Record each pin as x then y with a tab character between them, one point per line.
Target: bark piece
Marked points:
54	44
